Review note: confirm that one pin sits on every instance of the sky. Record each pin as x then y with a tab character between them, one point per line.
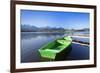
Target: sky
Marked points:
67	20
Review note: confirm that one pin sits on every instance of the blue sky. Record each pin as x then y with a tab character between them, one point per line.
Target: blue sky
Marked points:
68	20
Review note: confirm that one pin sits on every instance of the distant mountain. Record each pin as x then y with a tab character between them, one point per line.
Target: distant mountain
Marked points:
31	28
84	29
25	28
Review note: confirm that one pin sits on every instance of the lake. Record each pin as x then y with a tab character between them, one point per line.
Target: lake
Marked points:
32	41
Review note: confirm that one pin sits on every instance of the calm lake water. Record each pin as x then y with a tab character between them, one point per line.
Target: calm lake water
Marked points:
31	42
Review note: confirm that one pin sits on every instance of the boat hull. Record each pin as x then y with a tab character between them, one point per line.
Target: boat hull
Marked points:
60	49
59	56
63	54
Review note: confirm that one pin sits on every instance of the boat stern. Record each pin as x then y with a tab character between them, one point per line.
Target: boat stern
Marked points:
50	54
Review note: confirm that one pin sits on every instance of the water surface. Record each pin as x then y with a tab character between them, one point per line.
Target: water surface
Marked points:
31	42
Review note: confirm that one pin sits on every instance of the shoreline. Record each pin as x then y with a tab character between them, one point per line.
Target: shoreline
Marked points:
74	35
81	36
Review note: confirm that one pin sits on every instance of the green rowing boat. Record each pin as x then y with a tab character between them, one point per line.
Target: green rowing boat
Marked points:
55	47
